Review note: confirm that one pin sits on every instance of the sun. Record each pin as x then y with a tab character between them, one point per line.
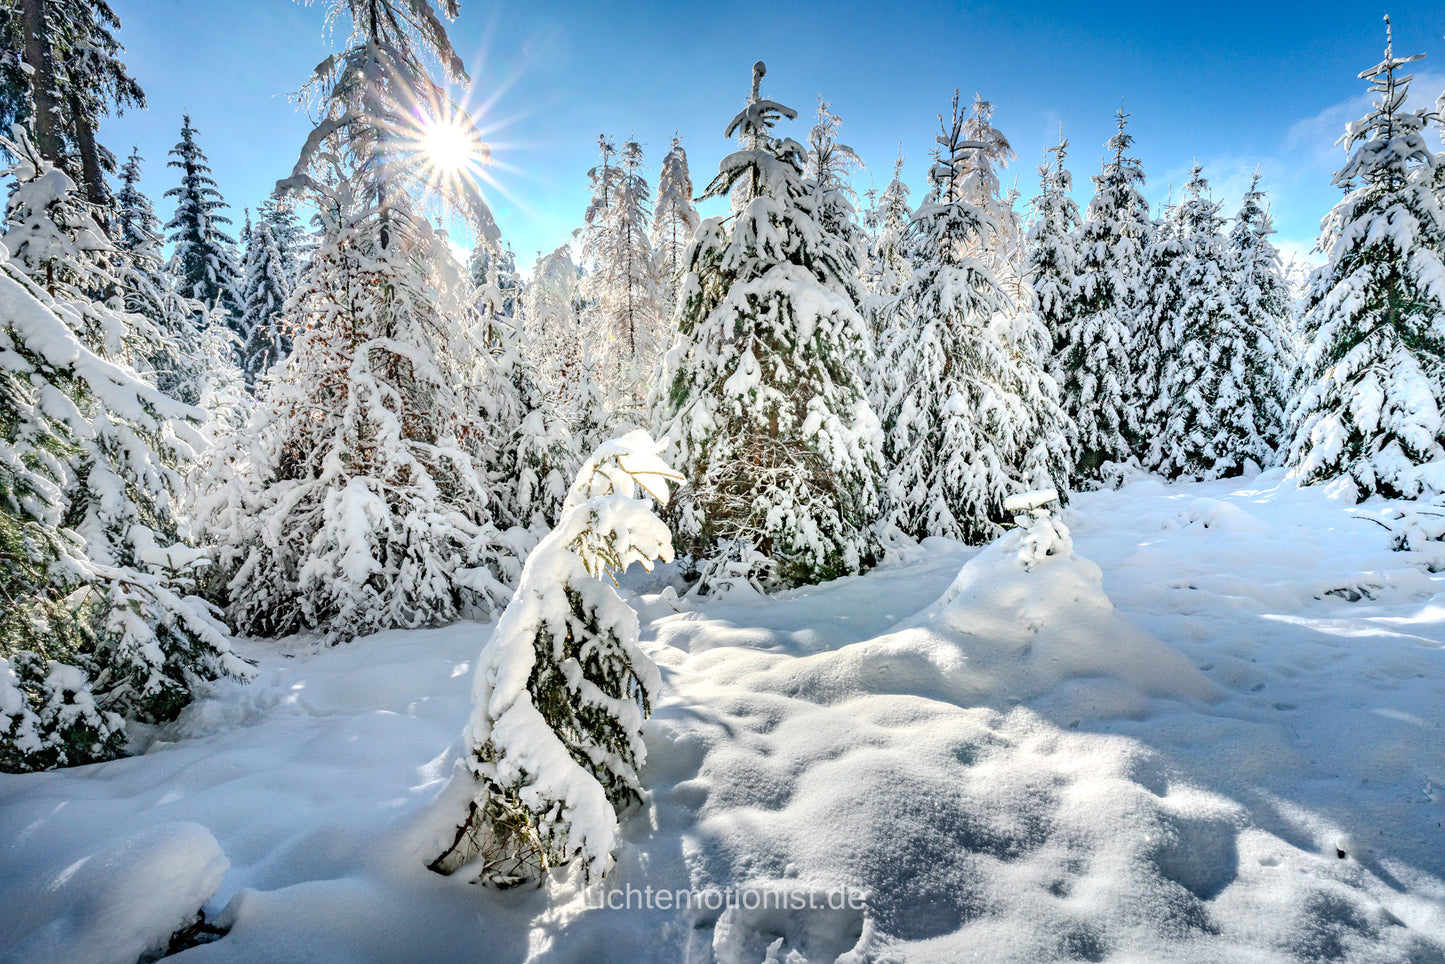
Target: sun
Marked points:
448	146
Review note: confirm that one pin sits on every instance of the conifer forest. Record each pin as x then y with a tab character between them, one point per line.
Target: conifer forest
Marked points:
812	554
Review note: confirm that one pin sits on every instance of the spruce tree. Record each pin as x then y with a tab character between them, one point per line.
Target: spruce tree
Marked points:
1262	297
264	287
763	399
99	627
137	229
170	355
1371	394
1203	419
1097	364
965	415
292	241
67	74
829	165
1157	323
1053	255
626	315
532	456
555	737
889	267
202	257
1047	459
674	219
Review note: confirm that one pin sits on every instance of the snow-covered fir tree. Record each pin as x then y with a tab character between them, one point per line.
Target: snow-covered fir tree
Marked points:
979	172
530	454
278	211
136	226
966	417
1205	423
1053	254
371	507
555	737
674	219
602	181
1018	327
1370	402
202	255
558	347
264	286
1261	297
495	269
1097	362
99	627
1157	322
220	383
763	400
829	165
170	352
889	261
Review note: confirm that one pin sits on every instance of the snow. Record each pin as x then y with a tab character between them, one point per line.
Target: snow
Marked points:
1176	740
115	904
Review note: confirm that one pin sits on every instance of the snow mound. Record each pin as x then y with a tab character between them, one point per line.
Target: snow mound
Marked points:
999	636
1221	516
114	905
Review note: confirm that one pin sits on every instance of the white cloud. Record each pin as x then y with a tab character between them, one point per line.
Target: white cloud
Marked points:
1316	136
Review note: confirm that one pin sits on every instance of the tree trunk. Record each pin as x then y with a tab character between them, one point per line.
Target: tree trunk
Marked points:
39	59
90	171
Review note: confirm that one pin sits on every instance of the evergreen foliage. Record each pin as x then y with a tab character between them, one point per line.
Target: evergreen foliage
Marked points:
1097	363
1370	403
202	254
98	626
562	687
966	417
763	397
367	501
674	219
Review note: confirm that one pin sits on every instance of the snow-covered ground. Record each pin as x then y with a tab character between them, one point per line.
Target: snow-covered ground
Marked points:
1241	759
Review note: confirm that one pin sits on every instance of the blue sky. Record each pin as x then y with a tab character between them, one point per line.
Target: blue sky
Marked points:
1235	84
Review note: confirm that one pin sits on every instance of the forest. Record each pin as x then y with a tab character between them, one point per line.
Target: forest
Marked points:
1056	575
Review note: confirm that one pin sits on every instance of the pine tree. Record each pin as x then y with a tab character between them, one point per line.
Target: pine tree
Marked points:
562	688
1097	364
1370	406
202	258
965	415
371	507
763	399
674	219
98	626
